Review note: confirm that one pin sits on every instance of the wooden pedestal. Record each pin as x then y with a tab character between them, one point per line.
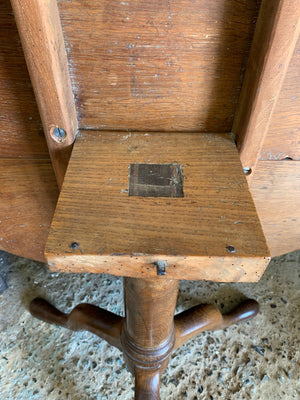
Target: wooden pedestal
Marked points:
149	333
155	208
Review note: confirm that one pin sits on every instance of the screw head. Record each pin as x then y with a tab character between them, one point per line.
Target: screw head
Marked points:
247	171
74	245
59	133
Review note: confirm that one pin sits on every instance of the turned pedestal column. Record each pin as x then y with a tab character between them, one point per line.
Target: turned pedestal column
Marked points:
149	333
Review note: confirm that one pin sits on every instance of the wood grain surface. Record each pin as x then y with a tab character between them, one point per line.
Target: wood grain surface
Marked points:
283	136
275	38
43	44
199	50
158	65
97	227
28	194
20	125
275	187
148	334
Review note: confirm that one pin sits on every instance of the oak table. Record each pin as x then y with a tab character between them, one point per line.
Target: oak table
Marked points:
170	150
154	208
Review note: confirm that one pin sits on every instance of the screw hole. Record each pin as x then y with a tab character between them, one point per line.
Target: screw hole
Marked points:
74	245
247	171
230	249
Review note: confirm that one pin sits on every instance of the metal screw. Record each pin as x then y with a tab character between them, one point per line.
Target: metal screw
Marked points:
161	267
74	245
230	249
59	133
247	170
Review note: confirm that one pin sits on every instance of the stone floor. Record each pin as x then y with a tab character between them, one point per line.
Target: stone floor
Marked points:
256	360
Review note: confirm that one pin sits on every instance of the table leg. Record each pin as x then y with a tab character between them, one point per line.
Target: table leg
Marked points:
149	332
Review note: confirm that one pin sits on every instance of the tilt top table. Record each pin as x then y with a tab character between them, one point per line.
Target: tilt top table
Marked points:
171	153
155	208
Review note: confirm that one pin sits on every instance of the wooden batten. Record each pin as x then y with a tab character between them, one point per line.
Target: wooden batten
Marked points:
42	39
282	141
20	125
275	38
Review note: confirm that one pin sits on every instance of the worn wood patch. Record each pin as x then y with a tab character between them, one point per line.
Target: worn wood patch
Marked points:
156	180
157	65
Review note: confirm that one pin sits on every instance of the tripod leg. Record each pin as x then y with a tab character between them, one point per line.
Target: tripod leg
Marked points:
83	317
208	317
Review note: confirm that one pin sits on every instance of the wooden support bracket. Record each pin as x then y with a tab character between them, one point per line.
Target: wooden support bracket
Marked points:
276	35
188	215
42	39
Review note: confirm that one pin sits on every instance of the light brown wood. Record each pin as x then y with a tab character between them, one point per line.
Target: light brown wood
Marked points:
28	193
148	334
84	317
275	187
158	65
149	321
20	125
276	34
283	136
207	317
43	44
97	227
146	385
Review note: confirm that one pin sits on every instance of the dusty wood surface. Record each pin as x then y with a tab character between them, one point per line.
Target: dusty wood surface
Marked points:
99	228
276	34
28	194
283	137
20	124
158	65
43	44
275	187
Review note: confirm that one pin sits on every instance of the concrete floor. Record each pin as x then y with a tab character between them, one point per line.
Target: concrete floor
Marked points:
255	360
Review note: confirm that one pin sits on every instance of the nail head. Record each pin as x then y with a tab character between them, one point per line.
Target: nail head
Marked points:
247	171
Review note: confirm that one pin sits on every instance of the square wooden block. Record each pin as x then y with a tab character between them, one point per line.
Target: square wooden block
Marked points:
132	202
